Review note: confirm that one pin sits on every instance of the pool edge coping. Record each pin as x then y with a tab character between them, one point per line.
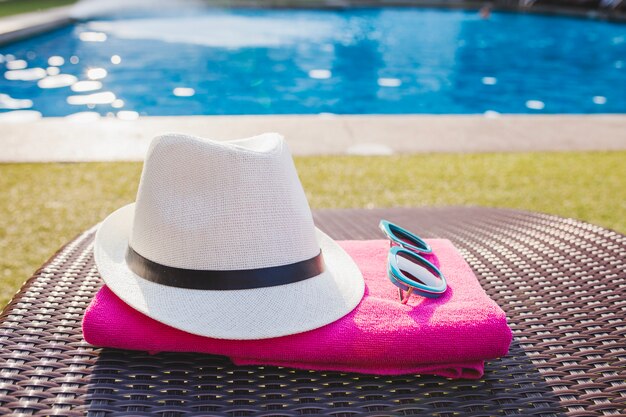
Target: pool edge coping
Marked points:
26	25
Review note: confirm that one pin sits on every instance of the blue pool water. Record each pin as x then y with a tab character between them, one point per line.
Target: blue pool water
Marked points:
390	60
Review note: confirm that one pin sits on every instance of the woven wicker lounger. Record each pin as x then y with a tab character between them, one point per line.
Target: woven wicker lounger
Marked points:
562	283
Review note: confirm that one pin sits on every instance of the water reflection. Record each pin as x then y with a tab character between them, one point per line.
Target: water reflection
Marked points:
84	86
17	64
56	61
223	29
389	82
57	81
320	74
599	100
106	97
184	92
535	104
83	117
10	103
96	73
20	116
491	114
30	74
92	36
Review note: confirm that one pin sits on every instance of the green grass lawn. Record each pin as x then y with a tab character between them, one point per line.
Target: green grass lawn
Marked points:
42	206
11	7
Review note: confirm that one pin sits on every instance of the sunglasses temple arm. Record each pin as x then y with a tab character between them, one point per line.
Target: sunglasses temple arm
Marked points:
404	299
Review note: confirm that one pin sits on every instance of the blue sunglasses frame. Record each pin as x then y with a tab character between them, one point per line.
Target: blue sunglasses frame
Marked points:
410	251
395	234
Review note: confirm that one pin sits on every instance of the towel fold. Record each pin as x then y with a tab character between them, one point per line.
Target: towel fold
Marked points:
450	336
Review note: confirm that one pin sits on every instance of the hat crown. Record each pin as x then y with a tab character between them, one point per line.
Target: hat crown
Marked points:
222	205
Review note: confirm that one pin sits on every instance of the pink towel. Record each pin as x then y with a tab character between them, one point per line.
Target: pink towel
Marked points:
451	336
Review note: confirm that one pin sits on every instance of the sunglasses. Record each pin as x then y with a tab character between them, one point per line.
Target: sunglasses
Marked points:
407	268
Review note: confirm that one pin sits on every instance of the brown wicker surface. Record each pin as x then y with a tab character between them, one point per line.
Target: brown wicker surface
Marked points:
562	283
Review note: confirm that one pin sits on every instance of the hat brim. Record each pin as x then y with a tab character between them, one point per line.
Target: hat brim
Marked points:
258	313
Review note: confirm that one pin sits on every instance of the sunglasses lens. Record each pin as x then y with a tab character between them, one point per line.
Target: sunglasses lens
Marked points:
419	272
402	237
406	237
426	279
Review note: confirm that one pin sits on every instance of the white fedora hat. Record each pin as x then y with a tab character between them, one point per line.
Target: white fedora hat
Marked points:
221	243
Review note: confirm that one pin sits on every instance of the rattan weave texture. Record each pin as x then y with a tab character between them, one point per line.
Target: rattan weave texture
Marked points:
562	283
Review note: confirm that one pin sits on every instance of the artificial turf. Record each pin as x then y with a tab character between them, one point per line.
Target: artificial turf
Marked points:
42	206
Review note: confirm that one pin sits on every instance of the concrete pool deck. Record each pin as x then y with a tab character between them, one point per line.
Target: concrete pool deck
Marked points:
109	139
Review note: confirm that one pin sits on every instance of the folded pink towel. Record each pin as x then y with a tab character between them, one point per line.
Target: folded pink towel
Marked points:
450	336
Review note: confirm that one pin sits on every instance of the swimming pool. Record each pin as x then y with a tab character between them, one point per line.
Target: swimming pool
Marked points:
356	61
